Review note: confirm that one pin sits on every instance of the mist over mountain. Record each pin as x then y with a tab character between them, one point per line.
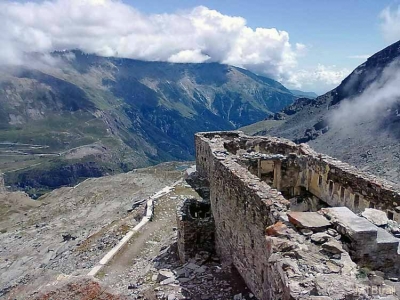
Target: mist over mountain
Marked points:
357	122
72	115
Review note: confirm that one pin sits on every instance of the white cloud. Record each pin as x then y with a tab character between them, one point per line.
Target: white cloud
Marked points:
390	23
319	79
112	28
188	56
363	56
380	96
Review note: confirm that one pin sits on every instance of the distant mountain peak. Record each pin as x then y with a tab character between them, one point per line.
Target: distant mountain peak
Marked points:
302	94
94	115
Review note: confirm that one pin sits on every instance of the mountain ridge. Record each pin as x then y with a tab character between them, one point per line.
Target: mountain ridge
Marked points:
119	113
356	122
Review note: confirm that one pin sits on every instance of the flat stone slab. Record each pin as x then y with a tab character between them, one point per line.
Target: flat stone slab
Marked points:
375	216
308	220
351	225
386	241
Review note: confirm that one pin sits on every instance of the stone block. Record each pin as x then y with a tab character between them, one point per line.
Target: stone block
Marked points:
333	247
309	220
278	229
375	216
386	242
167	281
351	225
320	237
165	274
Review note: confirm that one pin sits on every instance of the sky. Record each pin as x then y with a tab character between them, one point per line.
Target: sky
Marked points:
310	45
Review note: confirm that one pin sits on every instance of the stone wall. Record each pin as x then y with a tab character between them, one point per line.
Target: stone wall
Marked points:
241	214
245	208
195	228
335	182
2	184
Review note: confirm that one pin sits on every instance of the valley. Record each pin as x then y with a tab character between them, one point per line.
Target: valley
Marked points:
199	150
95	116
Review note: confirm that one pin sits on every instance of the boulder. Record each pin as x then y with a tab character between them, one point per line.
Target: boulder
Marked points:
165	274
333	247
277	229
308	220
168	281
320	237
375	216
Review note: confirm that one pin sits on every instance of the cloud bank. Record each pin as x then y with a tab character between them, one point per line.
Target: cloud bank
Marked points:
377	99
329	76
390	23
112	28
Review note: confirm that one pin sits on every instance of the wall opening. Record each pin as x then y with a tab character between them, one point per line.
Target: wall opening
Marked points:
200	210
356	201
320	180
341	192
371	205
390	215
330	187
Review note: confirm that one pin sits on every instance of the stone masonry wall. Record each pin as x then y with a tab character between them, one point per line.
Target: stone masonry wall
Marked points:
243	206
241	214
2	184
195	228
335	182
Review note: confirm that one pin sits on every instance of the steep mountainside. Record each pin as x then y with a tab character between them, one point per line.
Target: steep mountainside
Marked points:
357	122
75	115
302	94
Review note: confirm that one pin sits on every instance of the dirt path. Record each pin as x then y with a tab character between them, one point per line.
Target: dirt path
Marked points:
133	262
135	271
73	228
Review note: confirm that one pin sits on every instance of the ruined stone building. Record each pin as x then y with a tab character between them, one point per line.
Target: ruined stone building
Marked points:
2	184
289	219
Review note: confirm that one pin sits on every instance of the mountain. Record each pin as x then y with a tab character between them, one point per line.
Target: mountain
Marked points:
357	122
73	115
301	94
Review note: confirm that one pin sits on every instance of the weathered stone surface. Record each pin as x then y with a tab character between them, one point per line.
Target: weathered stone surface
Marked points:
350	224
196	228
278	229
2	185
79	288
333	247
320	237
375	216
192	266
251	180
386	243
167	281
333	267
306	232
171	297
165	274
308	220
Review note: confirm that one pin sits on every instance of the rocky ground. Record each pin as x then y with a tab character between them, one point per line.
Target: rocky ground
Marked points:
48	248
149	267
72	228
